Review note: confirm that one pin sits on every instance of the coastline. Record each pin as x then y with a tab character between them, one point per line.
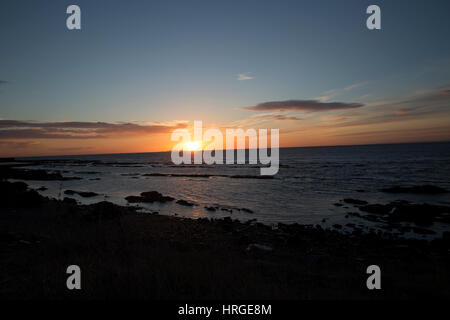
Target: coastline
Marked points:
127	254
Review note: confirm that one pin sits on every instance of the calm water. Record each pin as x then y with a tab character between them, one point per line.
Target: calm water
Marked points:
309	182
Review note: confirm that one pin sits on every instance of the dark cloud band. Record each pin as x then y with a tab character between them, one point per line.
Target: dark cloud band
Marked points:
302	105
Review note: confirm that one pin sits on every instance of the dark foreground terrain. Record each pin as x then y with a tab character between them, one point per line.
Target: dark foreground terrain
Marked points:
126	254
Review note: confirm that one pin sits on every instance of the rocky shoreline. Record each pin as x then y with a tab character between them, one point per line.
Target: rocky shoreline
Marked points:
127	254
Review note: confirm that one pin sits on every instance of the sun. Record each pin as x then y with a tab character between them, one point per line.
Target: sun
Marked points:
193	146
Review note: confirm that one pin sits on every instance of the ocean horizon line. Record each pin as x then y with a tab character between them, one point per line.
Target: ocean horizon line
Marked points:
168	151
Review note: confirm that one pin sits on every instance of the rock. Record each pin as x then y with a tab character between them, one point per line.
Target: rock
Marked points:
355	201
103	210
149	197
84	194
247	210
400	210
421	214
17	194
210	208
184	203
354	214
88	194
423	189
376	208
226	224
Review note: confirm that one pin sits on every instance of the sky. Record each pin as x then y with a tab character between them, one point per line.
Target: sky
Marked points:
137	70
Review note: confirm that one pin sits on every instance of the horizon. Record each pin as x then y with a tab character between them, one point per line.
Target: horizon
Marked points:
168	151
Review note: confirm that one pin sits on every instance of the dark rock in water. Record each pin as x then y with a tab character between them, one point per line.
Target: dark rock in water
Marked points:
246	210
423	189
377	208
84	194
87	194
152	196
210	208
133	199
337	226
354	214
149	197
184	203
400	210
87	172
421	214
355	201
338	204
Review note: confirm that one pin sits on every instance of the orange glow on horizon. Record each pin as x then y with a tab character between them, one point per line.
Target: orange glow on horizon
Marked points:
193	146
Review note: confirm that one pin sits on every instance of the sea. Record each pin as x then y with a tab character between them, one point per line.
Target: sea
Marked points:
308	188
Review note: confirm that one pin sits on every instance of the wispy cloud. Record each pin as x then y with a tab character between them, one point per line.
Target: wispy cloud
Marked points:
3	82
244	76
355	85
302	105
17	144
14	129
430	104
327	95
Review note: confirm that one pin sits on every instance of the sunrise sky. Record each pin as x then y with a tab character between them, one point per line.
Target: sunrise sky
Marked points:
140	69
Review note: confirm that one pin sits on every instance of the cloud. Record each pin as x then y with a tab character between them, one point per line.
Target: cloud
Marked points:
302	105
17	144
327	95
3	82
426	104
277	117
244	76
355	85
15	129
404	111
